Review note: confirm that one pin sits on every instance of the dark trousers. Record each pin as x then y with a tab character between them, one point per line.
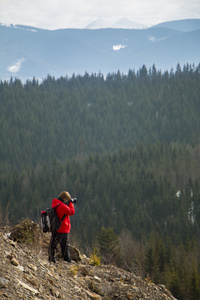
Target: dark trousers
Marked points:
63	240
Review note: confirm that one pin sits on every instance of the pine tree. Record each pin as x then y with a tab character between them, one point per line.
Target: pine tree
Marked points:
109	246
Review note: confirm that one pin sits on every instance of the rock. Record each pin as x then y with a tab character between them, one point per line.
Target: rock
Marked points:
28	287
55	293
12	243
20	268
26	232
75	253
3	282
84	271
99	288
10	256
93	296
14	262
34	268
33	281
97	279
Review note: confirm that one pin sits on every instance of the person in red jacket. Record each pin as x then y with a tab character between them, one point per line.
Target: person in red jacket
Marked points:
61	236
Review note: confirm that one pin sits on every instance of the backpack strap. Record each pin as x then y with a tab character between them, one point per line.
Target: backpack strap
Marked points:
56	206
63	217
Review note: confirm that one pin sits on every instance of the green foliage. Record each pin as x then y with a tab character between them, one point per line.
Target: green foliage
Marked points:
155	258
177	267
109	246
95	260
174	284
194	283
74	117
73	271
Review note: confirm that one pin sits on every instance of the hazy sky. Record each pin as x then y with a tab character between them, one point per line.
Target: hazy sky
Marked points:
53	14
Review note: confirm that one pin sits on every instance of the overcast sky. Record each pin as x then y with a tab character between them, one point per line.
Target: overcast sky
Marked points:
53	14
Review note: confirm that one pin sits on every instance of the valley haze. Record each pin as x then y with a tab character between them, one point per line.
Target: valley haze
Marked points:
27	52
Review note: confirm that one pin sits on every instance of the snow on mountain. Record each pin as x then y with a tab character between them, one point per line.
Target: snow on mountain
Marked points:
128	24
99	23
14	68
123	23
118	47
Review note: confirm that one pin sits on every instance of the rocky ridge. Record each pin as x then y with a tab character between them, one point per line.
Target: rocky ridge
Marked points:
25	272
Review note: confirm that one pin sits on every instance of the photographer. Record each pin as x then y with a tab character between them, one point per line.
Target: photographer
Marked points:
65	208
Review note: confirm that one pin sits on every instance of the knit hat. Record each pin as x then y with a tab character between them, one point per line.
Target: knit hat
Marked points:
65	195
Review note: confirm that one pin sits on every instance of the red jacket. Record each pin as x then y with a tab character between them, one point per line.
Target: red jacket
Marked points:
61	210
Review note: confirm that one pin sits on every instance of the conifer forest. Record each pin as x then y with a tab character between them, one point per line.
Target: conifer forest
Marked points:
128	147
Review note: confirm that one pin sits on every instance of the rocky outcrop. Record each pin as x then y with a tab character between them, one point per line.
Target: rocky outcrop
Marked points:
25	273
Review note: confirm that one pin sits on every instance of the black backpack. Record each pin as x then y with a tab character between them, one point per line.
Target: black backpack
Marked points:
50	221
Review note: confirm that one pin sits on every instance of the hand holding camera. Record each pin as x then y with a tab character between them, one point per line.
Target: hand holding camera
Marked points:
73	200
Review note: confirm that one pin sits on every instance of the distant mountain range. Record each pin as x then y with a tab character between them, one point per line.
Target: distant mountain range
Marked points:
123	23
27	52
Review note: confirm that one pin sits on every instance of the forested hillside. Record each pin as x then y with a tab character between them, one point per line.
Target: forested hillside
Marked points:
77	116
127	146
142	190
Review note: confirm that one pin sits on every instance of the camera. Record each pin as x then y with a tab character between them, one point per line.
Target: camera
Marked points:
73	200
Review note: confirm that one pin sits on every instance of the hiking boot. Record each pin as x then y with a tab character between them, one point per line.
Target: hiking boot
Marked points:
67	259
52	260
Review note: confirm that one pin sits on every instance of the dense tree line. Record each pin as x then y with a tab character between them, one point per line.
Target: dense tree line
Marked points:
127	146
76	116
154	188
